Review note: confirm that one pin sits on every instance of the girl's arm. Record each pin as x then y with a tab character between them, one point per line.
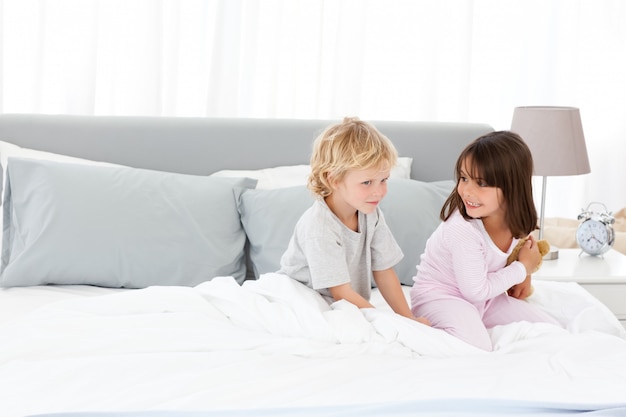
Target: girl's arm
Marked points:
468	263
389	285
530	257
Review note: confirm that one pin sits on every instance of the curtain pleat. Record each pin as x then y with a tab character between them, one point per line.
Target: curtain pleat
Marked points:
453	60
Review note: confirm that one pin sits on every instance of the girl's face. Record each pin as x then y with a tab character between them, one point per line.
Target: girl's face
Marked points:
480	199
360	190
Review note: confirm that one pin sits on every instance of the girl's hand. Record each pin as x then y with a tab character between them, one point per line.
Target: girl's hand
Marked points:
522	290
529	255
422	320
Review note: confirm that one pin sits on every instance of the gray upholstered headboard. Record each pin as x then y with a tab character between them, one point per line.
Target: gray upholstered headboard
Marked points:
200	146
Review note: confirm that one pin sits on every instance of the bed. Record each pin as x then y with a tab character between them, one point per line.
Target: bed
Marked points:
138	259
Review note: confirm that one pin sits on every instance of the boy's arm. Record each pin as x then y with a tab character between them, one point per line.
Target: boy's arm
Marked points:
345	292
389	285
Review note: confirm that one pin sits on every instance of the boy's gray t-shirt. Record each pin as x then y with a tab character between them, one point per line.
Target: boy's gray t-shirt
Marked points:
324	253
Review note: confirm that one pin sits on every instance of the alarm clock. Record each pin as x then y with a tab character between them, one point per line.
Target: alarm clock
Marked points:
595	234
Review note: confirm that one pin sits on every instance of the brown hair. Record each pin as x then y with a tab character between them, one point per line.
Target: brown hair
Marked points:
501	159
350	145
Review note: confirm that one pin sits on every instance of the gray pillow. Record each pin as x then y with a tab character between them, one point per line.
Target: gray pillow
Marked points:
118	226
411	210
269	218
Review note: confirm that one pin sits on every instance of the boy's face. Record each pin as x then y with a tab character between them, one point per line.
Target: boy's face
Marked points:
360	190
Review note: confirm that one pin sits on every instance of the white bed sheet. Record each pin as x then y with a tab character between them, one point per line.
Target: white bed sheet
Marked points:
275	343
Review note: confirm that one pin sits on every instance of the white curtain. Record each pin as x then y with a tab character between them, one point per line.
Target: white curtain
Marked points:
436	60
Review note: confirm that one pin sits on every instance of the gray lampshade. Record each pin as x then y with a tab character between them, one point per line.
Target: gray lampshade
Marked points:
555	138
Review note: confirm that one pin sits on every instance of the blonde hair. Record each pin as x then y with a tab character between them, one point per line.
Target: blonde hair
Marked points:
350	145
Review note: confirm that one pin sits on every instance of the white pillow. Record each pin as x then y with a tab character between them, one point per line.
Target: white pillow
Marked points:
8	149
293	175
402	168
271	178
11	150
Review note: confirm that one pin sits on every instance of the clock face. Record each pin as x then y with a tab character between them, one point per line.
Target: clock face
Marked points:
593	237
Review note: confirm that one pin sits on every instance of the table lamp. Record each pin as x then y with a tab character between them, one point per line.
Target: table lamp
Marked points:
557	143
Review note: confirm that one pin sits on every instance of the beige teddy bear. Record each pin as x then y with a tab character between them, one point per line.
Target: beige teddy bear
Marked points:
544	248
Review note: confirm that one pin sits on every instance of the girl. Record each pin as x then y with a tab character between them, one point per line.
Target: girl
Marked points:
342	240
462	284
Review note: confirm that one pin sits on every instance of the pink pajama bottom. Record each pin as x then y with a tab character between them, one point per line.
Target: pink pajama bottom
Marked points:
470	322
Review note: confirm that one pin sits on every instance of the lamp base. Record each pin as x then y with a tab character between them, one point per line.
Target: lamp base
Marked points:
552	254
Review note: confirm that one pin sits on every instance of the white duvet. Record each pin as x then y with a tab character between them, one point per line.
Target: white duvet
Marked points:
274	342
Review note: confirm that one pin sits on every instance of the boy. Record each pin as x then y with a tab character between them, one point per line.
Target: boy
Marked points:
342	240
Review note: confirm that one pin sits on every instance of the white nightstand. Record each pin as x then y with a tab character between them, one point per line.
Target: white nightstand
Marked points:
604	277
